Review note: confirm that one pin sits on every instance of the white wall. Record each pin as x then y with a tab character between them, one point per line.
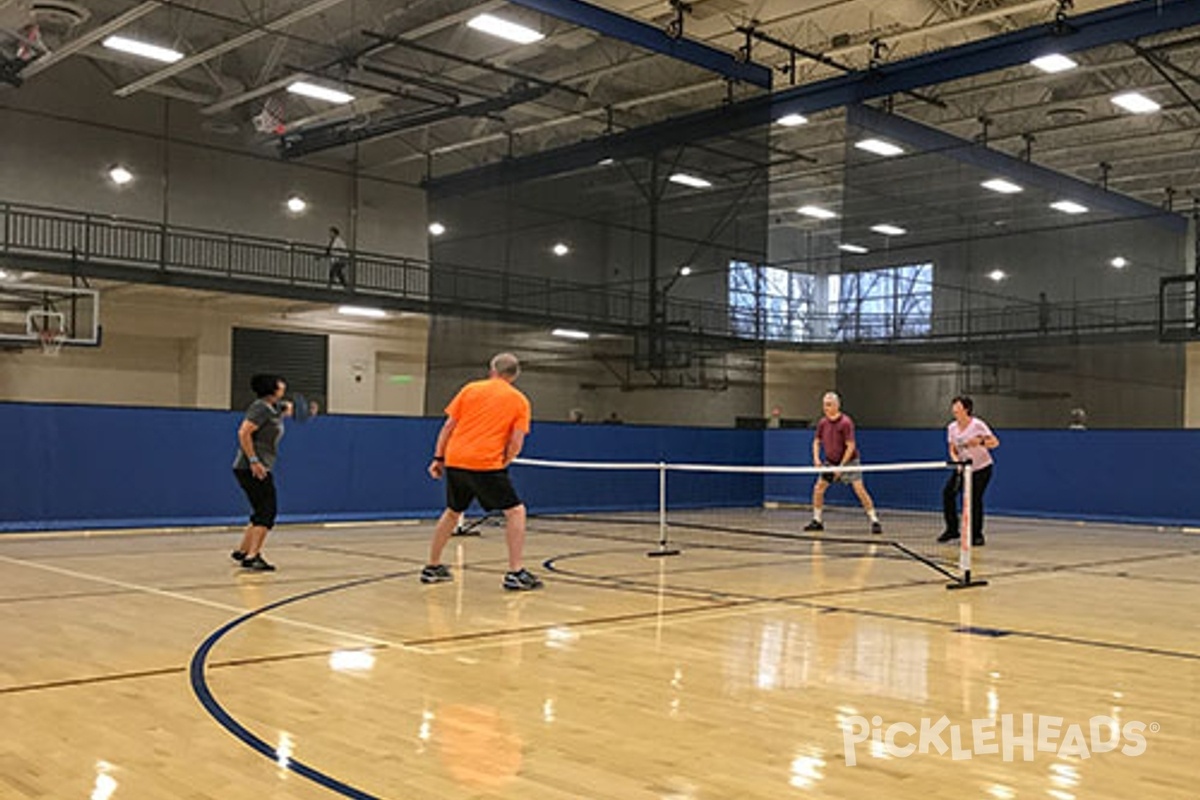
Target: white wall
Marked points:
127	370
1191	391
795	382
173	348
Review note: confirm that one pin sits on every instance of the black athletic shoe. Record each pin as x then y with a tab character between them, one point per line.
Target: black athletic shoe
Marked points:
435	573
876	527
257	564
948	536
465	530
977	541
815	526
238	556
521	581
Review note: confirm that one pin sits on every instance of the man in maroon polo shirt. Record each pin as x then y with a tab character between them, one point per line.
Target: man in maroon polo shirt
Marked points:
835	435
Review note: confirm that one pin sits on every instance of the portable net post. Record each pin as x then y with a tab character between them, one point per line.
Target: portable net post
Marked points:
964	534
663	548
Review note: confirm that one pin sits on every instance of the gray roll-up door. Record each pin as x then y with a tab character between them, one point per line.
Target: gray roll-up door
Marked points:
301	359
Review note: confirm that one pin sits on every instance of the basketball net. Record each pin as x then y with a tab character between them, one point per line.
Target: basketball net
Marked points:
50	328
270	119
52	342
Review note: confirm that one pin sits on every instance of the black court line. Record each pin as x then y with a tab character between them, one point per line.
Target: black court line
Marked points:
197	667
197	670
802	598
113	677
1034	569
1147	578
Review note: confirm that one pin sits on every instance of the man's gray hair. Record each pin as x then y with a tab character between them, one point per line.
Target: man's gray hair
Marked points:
506	364
831	396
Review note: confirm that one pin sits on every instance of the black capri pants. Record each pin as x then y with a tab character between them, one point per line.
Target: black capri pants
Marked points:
980	478
261	495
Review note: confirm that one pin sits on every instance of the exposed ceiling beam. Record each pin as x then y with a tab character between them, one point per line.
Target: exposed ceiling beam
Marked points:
679	91
87	39
252	94
947	26
416	33
182	65
651	37
1085	31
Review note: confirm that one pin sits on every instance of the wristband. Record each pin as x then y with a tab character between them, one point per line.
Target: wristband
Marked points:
439	458
255	460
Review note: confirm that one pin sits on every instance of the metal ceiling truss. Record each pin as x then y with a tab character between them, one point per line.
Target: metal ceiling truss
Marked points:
671	42
1125	22
523	88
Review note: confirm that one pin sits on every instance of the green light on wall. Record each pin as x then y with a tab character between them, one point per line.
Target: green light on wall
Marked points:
400	379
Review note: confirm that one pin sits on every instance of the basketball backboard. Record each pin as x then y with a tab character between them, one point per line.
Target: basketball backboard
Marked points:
30	314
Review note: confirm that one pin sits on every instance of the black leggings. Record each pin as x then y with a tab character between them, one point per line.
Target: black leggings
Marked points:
979	484
261	495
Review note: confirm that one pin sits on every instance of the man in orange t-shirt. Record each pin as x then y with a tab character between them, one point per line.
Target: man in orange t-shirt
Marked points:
485	427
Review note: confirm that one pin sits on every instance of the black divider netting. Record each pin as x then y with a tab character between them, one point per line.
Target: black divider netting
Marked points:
759	507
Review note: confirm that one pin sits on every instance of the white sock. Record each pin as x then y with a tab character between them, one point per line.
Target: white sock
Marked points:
873	516
817	514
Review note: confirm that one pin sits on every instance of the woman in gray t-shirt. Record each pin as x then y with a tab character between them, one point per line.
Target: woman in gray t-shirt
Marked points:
258	445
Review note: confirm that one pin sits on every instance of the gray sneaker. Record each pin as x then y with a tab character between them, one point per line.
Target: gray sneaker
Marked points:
521	581
435	573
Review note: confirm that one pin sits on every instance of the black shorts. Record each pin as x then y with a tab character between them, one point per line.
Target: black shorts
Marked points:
492	488
261	495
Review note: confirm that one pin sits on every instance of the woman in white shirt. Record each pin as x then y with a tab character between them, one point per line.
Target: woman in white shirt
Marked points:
970	439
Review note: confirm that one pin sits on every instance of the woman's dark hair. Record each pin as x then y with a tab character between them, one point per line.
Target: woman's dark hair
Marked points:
967	403
264	385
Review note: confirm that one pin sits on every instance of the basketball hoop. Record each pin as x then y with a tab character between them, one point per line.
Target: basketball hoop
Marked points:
48	328
270	119
52	342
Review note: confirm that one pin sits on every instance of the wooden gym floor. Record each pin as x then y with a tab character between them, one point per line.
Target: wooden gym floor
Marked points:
145	666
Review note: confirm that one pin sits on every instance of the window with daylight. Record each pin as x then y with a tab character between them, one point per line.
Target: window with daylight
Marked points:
782	305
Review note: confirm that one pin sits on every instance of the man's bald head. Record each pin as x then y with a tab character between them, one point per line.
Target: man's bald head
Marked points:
506	365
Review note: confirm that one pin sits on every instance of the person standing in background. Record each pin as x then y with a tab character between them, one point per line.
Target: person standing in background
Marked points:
338	255
970	439
835	435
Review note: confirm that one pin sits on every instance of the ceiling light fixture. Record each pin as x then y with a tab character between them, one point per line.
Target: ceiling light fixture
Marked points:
1002	186
362	311
487	23
816	212
1053	62
683	179
1069	207
568	333
879	147
306	89
1136	103
143	49
119	175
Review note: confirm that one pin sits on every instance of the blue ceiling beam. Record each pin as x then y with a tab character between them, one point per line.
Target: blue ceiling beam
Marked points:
650	37
1125	22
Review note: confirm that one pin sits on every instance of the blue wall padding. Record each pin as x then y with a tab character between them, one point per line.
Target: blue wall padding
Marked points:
1136	476
77	466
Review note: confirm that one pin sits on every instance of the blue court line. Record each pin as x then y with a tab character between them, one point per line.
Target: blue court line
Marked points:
200	688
